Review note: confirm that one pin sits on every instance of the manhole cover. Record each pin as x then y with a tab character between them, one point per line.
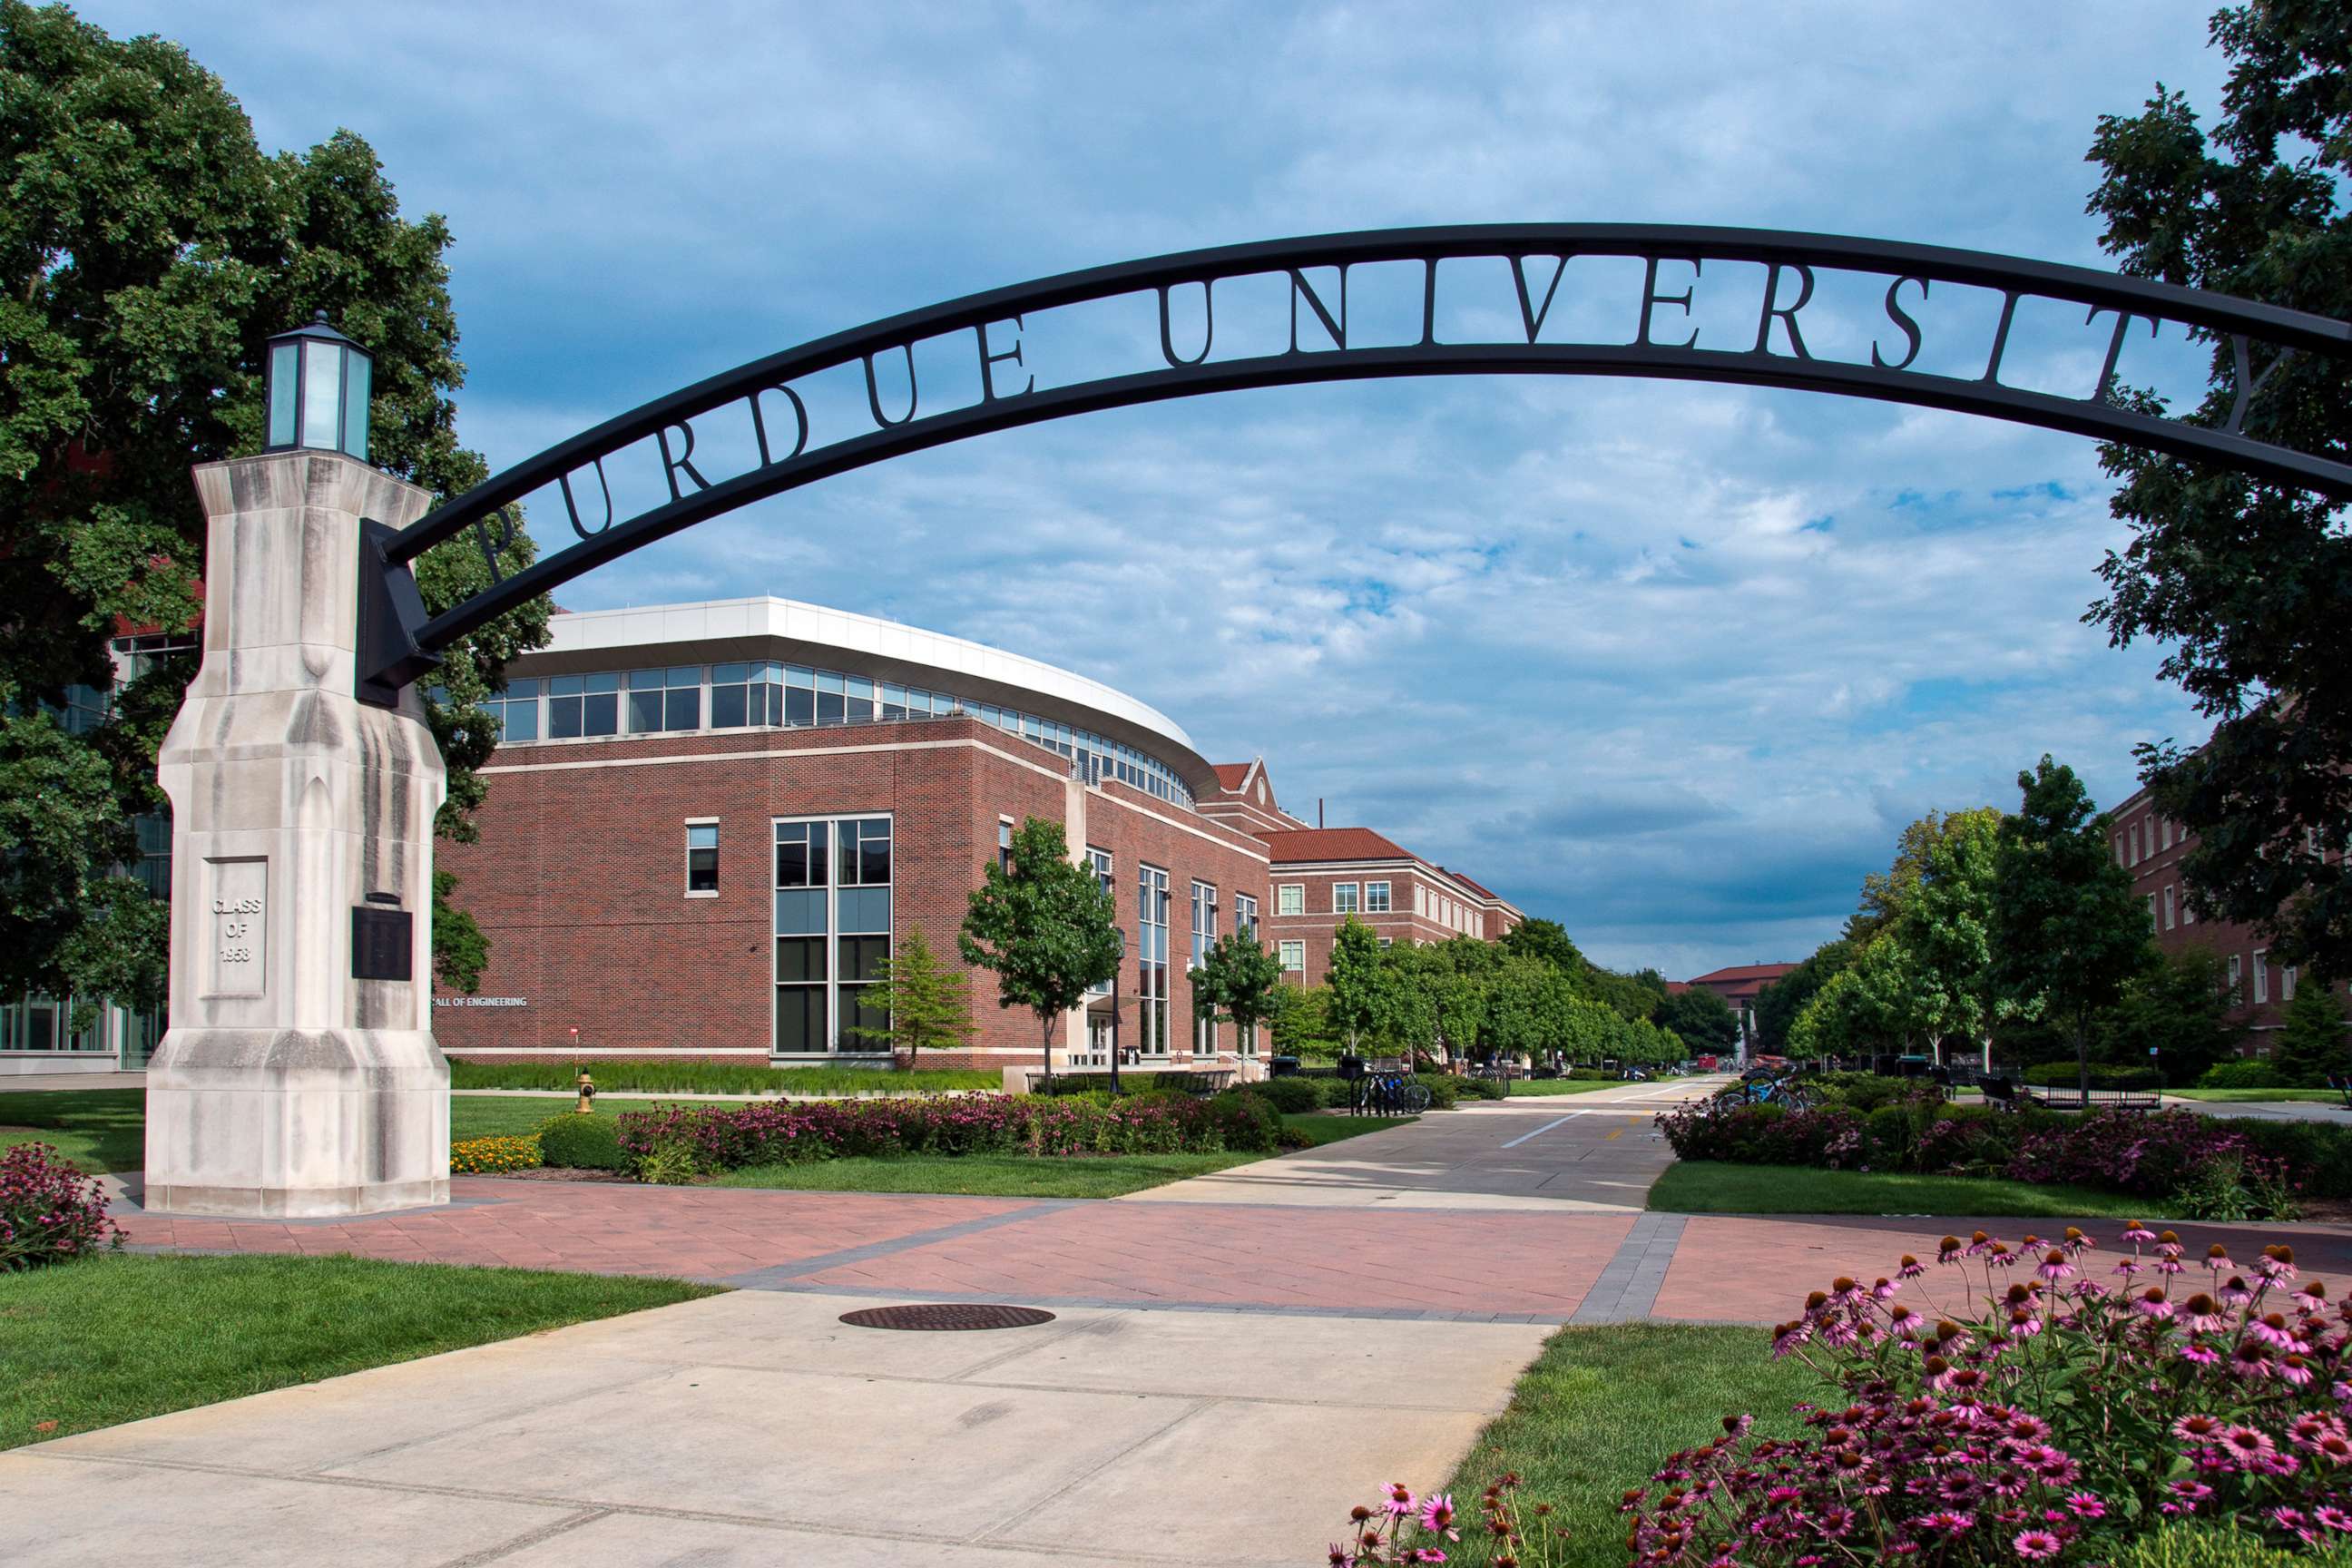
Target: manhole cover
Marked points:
947	1315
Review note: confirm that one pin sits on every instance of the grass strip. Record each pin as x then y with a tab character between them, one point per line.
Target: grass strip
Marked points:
661	1077
2256	1095
1596	1414
121	1337
97	1129
1709	1186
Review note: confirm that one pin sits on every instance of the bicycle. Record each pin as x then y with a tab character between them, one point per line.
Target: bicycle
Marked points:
1388	1094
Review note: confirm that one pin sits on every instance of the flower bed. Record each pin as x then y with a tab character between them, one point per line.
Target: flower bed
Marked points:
2014	1407
2208	1168
49	1211
493	1156
696	1139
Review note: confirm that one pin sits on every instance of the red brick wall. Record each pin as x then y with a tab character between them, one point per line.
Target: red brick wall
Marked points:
1320	925
579	878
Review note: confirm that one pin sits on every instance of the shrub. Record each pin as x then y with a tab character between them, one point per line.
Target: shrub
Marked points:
492	1156
670	1075
1247	1124
1445	1089
1290	1096
2246	1072
49	1211
1767	1134
579	1143
1890	1137
2216	1545
2318	1154
1478	1089
2103	1075
2157	1154
2054	1418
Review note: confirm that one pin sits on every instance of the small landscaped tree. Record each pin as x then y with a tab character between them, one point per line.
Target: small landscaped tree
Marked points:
1236	983
1046	927
930	1001
1353	984
2313	1045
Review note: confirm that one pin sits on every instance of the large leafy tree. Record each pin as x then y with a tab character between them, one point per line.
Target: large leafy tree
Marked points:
2247	584
1704	1021
1950	925
2311	1046
1355	992
148	248
1779	1003
2069	931
1236	983
1046	927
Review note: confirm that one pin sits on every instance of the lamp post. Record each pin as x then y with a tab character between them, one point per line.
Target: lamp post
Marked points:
316	383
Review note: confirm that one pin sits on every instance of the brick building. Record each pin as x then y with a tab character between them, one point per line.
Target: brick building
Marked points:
707	823
2151	849
1738	985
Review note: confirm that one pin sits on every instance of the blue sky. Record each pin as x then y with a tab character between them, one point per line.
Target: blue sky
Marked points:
1670	664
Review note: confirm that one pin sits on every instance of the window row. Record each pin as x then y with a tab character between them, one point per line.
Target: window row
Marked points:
1347	899
2261	979
764	694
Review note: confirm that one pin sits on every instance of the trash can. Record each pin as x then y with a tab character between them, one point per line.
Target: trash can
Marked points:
1282	1066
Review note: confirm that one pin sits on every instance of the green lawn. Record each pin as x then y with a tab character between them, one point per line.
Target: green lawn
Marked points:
1595	1415
97	1129
2254	1096
1533	1088
511	1115
661	1077
1707	1186
120	1337
1020	1176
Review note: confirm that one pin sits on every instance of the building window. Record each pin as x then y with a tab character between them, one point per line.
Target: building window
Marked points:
1290	899
2261	976
2167	831
1421	900
1246	915
2187	911
1004	845
2171	907
2134	843
746	696
2151	911
1204	934
1099	861
2286	983
1293	957
2119	850
1388	941
702	859
833	932
516	712
1343	898
1376	898
2237	975
581	705
1152	958
661	700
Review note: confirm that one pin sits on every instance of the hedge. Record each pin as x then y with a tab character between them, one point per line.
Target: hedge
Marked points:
578	1142
2103	1075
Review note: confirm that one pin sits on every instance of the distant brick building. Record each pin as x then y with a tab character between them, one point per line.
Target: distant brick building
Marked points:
2151	849
707	825
1739	986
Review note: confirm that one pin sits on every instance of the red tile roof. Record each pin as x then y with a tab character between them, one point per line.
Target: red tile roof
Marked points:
1484	892
1231	775
1331	844
1744	972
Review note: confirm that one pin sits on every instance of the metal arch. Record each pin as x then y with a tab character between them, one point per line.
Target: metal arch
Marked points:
398	644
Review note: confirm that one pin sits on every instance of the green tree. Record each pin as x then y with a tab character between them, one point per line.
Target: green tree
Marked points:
2181	1007
1295	1015
1236	983
1047	928
930	1002
1546	939
2243	582
1701	1019
2069	931
1354	991
1778	1005
150	248
1949	926
2311	1046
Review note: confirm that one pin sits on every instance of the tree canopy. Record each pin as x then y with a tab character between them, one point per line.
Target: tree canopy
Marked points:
1047	928
2246	583
150	248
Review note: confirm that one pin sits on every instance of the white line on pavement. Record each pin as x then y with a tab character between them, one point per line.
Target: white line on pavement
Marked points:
1541	1131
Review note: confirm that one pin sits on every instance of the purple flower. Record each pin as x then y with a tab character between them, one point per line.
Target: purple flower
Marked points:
2035	1544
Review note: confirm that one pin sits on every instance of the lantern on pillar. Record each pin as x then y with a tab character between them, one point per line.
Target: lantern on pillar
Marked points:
316	383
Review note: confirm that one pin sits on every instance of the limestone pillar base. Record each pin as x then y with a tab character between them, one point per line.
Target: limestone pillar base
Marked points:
289	1085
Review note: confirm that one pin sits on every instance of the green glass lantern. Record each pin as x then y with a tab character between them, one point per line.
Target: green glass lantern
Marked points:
316	382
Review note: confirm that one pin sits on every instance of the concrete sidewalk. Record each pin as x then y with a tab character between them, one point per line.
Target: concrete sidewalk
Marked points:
754	1428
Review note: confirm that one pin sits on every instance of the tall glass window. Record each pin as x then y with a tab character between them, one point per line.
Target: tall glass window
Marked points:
516	710
1151	960
746	696
1204	936
582	705
1290	899
1099	861
1245	924
1343	898
833	932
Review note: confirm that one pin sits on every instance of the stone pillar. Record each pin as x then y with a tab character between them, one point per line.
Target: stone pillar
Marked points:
286	1087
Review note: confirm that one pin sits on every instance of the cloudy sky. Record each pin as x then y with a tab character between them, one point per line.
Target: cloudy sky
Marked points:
1672	664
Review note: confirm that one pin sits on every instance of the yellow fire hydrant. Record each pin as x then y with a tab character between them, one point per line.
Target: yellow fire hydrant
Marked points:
587	1093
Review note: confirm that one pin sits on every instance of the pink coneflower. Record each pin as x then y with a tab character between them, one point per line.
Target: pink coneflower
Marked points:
1844	1292
2217	1258
2294	1370
2277	1263
2271	1328
1399	1500
2333	1447
2086	1505
2197	1355
1341	1557
1437	1515
2028	1429
1912	1268
2330	1517
1979	1243
2138	1234
2293	1520
2130	1267
1947	1249
1883	1289
2153	1303
2199	1428
2204	1314
1949	1521
2076	1241
2246	1446
2251	1358
2035	1544
1834	1523
2055	1266
2234	1292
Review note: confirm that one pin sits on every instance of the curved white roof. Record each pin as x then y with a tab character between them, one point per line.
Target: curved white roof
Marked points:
721	630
